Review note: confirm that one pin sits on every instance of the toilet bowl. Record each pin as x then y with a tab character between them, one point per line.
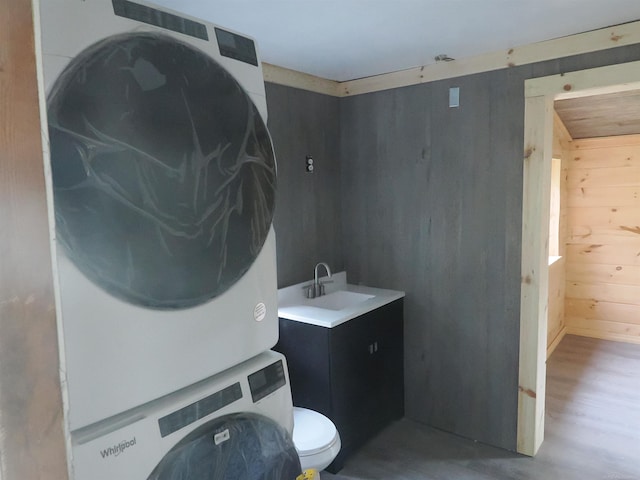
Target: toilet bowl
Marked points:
315	437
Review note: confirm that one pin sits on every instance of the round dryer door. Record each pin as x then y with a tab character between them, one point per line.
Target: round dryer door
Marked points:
163	171
241	446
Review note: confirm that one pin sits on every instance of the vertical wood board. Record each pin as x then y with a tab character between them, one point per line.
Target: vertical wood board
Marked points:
32	438
534	286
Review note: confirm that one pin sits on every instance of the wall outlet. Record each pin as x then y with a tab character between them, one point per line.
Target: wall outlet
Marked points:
309	164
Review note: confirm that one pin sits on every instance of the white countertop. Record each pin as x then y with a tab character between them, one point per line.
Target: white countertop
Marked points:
293	304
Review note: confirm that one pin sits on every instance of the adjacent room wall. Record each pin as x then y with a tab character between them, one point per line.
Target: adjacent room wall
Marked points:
432	205
556	328
603	266
432	202
308	205
32	442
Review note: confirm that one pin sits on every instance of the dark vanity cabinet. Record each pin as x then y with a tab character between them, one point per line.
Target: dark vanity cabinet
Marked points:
352	373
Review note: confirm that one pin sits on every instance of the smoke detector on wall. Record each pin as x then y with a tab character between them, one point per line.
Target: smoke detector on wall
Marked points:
443	57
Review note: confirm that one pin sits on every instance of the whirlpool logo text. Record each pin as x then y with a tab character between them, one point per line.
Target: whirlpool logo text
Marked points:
118	448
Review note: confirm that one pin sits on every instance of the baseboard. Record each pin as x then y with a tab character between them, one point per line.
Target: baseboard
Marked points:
615	337
556	341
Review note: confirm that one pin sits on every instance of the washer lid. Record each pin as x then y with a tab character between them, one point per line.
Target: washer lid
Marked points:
312	431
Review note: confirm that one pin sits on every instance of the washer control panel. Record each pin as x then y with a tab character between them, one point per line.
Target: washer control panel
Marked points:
266	380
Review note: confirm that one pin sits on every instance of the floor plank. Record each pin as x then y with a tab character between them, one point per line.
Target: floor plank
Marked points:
592	429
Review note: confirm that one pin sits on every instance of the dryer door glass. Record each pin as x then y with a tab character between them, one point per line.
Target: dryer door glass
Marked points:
163	171
242	446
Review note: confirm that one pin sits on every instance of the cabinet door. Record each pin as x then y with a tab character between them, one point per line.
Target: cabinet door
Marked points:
389	363
367	373
352	377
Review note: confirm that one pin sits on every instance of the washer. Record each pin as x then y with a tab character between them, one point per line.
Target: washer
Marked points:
163	178
235	425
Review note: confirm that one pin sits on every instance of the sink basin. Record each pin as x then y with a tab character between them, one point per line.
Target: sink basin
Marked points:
339	300
342	302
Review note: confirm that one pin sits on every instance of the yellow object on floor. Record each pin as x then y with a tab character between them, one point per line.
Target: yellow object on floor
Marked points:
309	474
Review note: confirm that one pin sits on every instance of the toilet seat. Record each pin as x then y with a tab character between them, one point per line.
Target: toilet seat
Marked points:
314	435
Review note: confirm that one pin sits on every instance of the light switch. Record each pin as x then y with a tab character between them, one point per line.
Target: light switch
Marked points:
454	97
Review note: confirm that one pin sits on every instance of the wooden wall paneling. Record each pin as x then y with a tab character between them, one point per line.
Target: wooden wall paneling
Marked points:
603	245
613	156
555	319
623	218
425	195
591	309
32	435
566	143
605	176
621	196
610	292
307	217
618	254
503	245
614	145
615	331
355	122
556	328
610	234
387	151
599	273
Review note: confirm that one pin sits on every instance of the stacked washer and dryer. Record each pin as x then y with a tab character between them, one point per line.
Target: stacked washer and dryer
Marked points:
164	180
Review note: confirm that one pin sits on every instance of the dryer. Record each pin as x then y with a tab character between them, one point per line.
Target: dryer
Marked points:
163	178
235	425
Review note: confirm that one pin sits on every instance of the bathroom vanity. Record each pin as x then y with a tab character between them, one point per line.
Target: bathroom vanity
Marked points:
345	357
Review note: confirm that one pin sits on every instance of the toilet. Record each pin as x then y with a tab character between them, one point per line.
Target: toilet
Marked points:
315	437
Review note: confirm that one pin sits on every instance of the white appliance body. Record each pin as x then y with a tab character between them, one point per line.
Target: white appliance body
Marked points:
133	445
120	355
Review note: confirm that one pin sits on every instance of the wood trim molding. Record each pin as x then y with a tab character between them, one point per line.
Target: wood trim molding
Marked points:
539	96
583	83
596	40
535	272
304	81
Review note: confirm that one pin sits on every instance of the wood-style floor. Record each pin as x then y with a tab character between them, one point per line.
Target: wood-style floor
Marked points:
592	429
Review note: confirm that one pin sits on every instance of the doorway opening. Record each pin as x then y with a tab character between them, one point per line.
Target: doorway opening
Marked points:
540	95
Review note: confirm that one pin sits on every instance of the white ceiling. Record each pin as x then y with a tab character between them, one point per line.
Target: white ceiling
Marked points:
348	39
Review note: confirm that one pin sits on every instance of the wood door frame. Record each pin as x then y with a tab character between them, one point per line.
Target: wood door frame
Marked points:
540	93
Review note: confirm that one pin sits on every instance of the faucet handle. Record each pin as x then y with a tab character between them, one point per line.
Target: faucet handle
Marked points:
321	290
309	290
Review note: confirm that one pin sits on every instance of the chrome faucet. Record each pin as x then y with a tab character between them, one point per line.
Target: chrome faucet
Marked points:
317	288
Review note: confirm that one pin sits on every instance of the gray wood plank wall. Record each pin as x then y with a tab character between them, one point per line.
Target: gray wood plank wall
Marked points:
308	217
431	201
